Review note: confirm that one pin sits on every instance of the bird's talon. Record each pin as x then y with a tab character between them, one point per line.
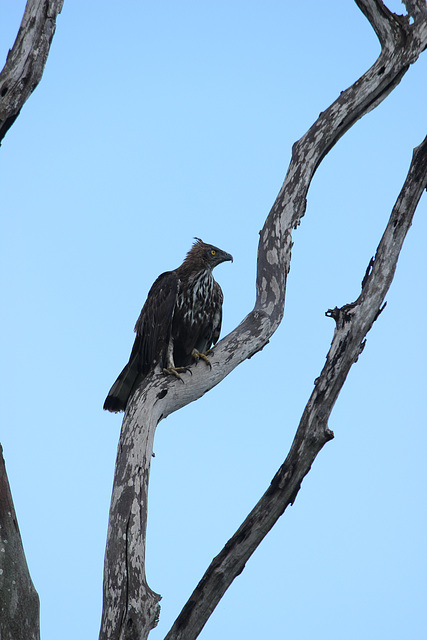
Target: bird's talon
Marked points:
175	371
197	356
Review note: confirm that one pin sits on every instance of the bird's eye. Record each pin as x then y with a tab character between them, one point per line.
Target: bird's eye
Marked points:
213	252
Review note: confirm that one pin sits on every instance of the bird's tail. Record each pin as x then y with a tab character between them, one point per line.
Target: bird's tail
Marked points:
121	390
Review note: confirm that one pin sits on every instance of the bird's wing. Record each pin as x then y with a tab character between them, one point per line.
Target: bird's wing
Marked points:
217	319
154	324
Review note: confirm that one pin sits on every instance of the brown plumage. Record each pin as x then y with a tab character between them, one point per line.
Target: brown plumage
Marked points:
179	322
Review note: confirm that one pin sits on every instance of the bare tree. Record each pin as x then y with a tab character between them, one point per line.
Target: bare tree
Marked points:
131	608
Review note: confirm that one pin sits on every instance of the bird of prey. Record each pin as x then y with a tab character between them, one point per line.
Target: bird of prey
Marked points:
179	322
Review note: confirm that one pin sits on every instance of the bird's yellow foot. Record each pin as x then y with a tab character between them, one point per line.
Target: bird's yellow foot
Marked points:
196	355
175	371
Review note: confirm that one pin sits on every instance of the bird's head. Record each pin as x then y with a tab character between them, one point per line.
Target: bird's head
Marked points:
208	254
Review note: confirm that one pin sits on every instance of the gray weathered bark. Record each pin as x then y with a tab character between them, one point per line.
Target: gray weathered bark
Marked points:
353	322
19	602
26	60
130	608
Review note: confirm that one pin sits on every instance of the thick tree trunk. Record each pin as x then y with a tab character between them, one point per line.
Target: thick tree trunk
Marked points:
19	602
26	60
130	608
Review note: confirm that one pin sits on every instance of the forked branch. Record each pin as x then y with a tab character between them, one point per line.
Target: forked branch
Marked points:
353	322
130	607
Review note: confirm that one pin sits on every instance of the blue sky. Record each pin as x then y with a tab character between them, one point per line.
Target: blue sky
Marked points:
154	123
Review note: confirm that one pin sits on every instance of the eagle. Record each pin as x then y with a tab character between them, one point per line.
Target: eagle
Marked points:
179	322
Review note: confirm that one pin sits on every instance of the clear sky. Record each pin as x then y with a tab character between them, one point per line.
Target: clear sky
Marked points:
155	122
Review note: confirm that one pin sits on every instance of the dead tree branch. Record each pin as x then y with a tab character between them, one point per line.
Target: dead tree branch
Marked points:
353	322
26	60
19	600
21	74
130	608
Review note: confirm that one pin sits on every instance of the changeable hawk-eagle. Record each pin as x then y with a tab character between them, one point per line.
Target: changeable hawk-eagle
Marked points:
179	322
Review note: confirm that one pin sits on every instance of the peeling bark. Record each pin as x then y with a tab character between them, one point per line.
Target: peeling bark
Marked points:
130	608
19	602
26	60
